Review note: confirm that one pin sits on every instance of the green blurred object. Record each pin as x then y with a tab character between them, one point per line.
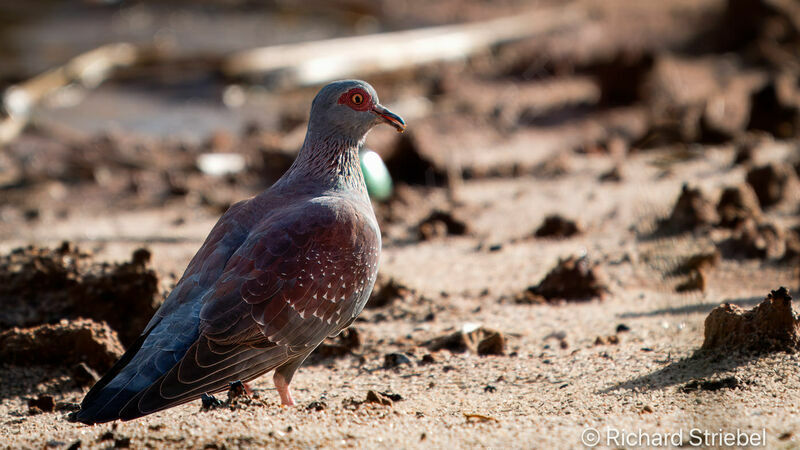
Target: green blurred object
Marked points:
376	175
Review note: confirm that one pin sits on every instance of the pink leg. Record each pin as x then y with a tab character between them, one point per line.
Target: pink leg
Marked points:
283	389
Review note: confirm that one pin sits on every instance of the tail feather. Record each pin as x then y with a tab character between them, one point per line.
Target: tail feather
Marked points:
187	380
109	403
103	405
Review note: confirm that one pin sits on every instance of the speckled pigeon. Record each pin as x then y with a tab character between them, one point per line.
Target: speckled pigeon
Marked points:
278	274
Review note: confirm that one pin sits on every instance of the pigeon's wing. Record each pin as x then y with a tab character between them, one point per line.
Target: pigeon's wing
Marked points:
298	278
174	327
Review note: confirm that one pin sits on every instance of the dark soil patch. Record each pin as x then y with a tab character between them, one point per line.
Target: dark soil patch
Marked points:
771	183
480	340
692	211
755	241
555	226
441	224
39	285
573	279
736	205
386	292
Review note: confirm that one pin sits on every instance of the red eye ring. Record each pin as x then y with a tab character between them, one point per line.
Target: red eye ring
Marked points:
357	99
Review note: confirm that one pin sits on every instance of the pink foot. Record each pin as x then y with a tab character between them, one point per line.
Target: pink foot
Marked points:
283	389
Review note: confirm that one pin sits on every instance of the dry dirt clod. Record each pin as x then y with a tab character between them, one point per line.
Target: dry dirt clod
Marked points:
695	282
771	182
477	339
555	226
379	398
65	343
45	403
755	241
440	224
736	205
699	261
770	326
386	291
573	279
691	211
605	340
697	267
392	360
40	285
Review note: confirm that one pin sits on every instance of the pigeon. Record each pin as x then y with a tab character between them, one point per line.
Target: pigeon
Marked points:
277	274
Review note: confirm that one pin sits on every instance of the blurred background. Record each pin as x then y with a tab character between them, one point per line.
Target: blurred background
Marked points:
160	84
121	102
642	155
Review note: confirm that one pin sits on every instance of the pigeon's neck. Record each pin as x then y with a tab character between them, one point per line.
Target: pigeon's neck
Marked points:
329	161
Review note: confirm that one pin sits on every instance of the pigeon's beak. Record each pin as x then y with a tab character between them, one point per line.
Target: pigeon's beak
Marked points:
390	117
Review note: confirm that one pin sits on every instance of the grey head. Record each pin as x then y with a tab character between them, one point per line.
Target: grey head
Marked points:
342	114
349	109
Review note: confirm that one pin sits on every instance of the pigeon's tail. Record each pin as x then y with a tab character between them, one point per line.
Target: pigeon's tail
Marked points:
108	407
105	400
148	382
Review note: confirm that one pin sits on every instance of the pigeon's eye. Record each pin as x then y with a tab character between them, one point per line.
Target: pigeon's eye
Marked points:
357	99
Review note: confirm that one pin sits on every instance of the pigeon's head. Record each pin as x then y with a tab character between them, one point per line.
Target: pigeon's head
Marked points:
350	108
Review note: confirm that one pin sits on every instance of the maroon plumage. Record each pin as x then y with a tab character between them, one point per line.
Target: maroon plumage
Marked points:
277	275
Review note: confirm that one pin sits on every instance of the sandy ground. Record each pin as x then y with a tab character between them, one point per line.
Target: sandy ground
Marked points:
540	394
